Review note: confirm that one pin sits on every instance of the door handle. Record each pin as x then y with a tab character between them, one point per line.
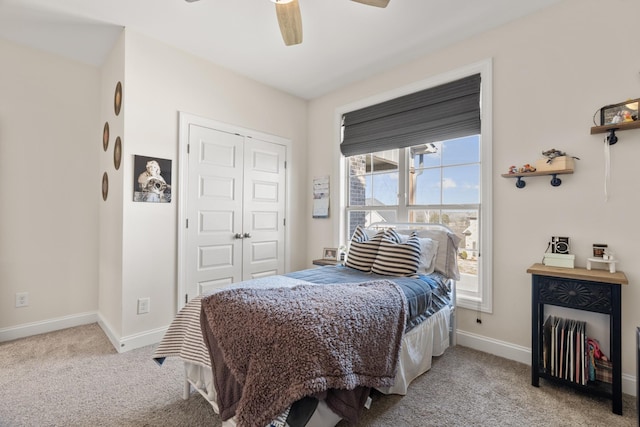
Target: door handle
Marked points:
246	235
238	236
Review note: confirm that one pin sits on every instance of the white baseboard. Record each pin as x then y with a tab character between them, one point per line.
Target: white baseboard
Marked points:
142	339
109	332
121	344
520	354
50	325
131	342
493	346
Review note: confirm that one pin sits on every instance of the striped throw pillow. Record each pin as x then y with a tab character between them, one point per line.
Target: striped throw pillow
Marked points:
363	250
397	259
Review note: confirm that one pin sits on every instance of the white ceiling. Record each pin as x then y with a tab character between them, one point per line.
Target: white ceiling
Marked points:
343	41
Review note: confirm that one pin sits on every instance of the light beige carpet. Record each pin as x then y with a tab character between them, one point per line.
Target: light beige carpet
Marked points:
74	377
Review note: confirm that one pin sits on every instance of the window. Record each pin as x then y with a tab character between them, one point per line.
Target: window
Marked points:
439	180
373	188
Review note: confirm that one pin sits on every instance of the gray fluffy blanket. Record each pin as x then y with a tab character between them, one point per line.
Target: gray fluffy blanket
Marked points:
281	344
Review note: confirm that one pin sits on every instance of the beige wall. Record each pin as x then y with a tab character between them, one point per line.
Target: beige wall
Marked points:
551	72
75	253
159	82
110	211
48	155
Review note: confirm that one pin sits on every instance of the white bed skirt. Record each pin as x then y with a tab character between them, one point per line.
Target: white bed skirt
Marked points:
419	345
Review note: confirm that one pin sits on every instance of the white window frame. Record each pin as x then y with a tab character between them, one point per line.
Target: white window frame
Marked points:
483	299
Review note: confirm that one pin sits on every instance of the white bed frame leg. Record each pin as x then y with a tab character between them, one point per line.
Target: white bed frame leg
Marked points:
186	392
454	314
453	337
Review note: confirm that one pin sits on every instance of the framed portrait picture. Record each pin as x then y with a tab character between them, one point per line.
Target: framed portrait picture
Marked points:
330	254
151	180
623	112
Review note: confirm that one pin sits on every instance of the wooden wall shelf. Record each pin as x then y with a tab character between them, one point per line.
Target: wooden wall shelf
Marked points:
617	126
555	181
611	129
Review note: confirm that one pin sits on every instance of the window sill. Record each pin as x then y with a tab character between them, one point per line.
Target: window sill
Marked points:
472	303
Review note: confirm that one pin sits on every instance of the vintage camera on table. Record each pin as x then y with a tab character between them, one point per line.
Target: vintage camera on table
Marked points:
557	253
559	245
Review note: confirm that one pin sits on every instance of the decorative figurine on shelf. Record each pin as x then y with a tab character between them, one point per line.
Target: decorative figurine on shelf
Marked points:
513	169
553	153
527	168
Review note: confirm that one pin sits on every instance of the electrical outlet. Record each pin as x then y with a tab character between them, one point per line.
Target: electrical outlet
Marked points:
22	299
144	305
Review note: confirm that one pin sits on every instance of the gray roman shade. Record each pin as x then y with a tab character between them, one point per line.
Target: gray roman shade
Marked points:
451	110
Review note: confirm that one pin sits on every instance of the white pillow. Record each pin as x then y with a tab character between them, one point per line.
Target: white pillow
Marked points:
446	260
428	253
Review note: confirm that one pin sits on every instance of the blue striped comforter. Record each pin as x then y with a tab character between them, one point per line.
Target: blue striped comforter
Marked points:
425	294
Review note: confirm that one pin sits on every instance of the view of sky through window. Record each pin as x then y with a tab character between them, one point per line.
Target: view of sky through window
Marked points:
448	173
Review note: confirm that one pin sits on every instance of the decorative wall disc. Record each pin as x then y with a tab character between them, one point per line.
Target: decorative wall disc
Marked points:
105	136
117	99
105	186
117	153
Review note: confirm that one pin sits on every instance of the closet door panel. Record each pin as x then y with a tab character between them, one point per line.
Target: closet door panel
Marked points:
215	204
264	208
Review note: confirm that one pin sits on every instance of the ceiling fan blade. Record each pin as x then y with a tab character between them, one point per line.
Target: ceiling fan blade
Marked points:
290	22
376	3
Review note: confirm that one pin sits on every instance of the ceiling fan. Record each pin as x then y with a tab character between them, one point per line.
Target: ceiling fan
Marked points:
290	20
288	12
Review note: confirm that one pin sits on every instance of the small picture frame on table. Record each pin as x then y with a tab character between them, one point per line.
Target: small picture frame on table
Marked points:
330	254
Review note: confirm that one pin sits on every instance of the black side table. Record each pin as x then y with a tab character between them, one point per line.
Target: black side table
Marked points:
578	288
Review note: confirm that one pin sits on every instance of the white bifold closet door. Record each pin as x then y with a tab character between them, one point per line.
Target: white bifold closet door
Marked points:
235	208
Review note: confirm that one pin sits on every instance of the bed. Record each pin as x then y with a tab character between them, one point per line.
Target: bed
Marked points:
394	296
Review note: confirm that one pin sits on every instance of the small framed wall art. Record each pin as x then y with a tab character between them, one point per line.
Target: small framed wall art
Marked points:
105	136
105	186
151	179
117	99
117	153
619	113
